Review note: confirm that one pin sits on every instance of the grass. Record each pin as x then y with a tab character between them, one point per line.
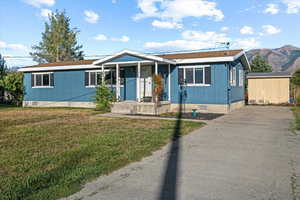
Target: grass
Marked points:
296	111
50	153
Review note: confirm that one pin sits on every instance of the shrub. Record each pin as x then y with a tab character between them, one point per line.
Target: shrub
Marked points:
104	98
158	88
13	84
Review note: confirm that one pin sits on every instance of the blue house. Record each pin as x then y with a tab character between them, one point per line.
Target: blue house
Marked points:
211	81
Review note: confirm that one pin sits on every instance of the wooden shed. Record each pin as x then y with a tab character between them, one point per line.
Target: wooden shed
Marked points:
269	88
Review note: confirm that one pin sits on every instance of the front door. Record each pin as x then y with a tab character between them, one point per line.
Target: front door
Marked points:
146	82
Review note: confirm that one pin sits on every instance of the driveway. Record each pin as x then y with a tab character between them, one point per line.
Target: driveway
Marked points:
248	154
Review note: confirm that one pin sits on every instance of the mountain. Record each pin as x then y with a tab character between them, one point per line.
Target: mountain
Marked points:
286	58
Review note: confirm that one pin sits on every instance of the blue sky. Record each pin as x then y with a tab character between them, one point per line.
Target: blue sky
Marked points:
108	26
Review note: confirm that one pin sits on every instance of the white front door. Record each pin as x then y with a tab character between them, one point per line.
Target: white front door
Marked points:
146	81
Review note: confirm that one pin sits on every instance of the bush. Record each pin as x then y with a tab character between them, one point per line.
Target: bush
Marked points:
104	98
13	84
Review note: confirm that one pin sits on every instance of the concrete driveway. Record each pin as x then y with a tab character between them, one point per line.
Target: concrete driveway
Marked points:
248	154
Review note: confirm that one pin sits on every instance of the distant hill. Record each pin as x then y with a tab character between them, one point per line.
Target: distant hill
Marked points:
286	58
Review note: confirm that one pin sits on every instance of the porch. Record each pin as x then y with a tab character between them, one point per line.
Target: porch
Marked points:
130	76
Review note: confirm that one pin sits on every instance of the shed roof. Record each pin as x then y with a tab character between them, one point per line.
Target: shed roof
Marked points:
270	75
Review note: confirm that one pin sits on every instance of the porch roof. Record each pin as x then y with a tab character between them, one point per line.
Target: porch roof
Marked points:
136	54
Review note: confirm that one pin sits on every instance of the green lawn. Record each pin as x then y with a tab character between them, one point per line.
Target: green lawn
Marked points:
50	153
297	117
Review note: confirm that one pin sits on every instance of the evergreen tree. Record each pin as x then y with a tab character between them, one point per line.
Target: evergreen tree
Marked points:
59	41
260	65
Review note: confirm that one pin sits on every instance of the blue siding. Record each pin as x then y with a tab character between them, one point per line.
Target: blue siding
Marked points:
126	58
216	93
69	86
237	93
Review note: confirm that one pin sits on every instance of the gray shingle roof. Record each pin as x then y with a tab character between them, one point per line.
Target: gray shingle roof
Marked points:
269	75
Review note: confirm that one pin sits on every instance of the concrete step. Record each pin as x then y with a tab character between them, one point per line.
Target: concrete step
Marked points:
124	108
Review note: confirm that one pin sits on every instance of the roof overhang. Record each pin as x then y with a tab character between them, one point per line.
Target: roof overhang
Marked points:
57	68
241	55
134	53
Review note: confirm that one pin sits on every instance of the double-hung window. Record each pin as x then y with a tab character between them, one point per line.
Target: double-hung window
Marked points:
241	78
233	76
42	80
194	75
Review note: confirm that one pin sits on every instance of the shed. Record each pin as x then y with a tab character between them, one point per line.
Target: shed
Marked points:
269	88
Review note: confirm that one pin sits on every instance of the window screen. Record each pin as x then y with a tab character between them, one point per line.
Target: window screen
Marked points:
189	75
198	75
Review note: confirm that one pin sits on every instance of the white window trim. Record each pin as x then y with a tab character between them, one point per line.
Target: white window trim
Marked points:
241	78
94	86
42	73
194	74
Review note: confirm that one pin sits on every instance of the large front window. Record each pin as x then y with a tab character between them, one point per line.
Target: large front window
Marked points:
94	78
194	75
40	80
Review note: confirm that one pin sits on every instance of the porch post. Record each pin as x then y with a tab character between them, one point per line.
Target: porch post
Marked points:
169	82
156	68
138	82
118	82
102	75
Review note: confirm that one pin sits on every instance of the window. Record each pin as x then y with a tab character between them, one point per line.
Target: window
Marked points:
233	76
194	75
94	78
241	78
40	80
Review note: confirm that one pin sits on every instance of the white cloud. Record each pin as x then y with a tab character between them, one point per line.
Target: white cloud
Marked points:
191	40
225	28
246	30
46	13
91	16
21	47
166	24
39	3
246	43
100	37
293	6
270	30
124	38
176	10
114	1
272	9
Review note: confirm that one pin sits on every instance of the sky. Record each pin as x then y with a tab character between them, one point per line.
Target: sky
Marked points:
109	26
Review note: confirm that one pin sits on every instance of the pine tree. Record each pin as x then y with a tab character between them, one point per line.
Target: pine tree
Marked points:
260	65
59	41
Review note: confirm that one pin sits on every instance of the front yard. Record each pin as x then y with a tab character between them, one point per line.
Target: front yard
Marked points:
50	153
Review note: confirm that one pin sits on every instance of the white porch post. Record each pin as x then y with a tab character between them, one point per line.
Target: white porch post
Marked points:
156	68
118	82
102	74
138	83
169	82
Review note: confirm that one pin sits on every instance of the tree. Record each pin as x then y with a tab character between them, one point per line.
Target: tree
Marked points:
3	71
13	84
59	41
260	65
295	86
